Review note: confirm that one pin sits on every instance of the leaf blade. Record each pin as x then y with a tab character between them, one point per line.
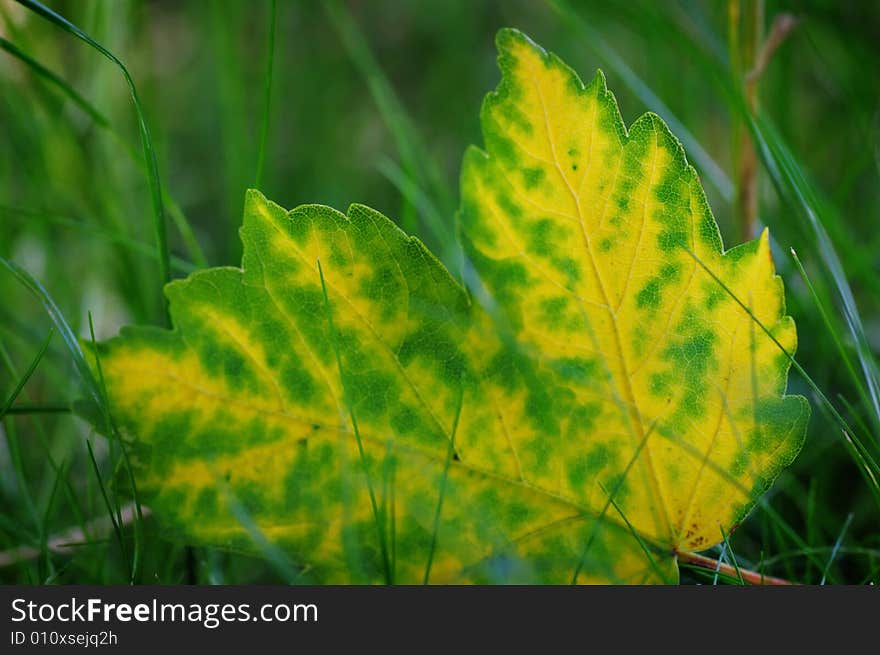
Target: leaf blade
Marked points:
581	231
607	358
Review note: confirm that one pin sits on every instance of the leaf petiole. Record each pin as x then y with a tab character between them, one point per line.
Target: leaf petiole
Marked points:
737	573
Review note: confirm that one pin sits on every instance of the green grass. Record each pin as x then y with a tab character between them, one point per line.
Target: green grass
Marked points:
130	131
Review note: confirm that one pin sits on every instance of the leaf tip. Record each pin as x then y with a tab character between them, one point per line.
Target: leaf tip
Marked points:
507	36
509	40
254	197
600	81
764	246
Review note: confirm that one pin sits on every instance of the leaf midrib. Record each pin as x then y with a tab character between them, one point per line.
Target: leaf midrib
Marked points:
634	413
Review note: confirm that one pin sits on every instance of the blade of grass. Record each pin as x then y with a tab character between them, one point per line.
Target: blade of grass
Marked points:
267	104
48	75
450	452
645	548
146	141
864	459
389	506
56	470
270	552
819	550
618	485
812	530
108	421
836	547
27	374
719	564
222	23
14	448
783	528
791	184
831	328
117	529
61	474
708	574
731	554
347	393
851	410
61	325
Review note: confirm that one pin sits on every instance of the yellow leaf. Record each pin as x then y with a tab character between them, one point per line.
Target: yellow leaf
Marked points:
597	403
635	369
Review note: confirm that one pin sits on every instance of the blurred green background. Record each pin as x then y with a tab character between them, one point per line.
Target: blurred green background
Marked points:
375	102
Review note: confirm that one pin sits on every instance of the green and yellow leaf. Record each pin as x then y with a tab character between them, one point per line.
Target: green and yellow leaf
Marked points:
599	402
603	257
